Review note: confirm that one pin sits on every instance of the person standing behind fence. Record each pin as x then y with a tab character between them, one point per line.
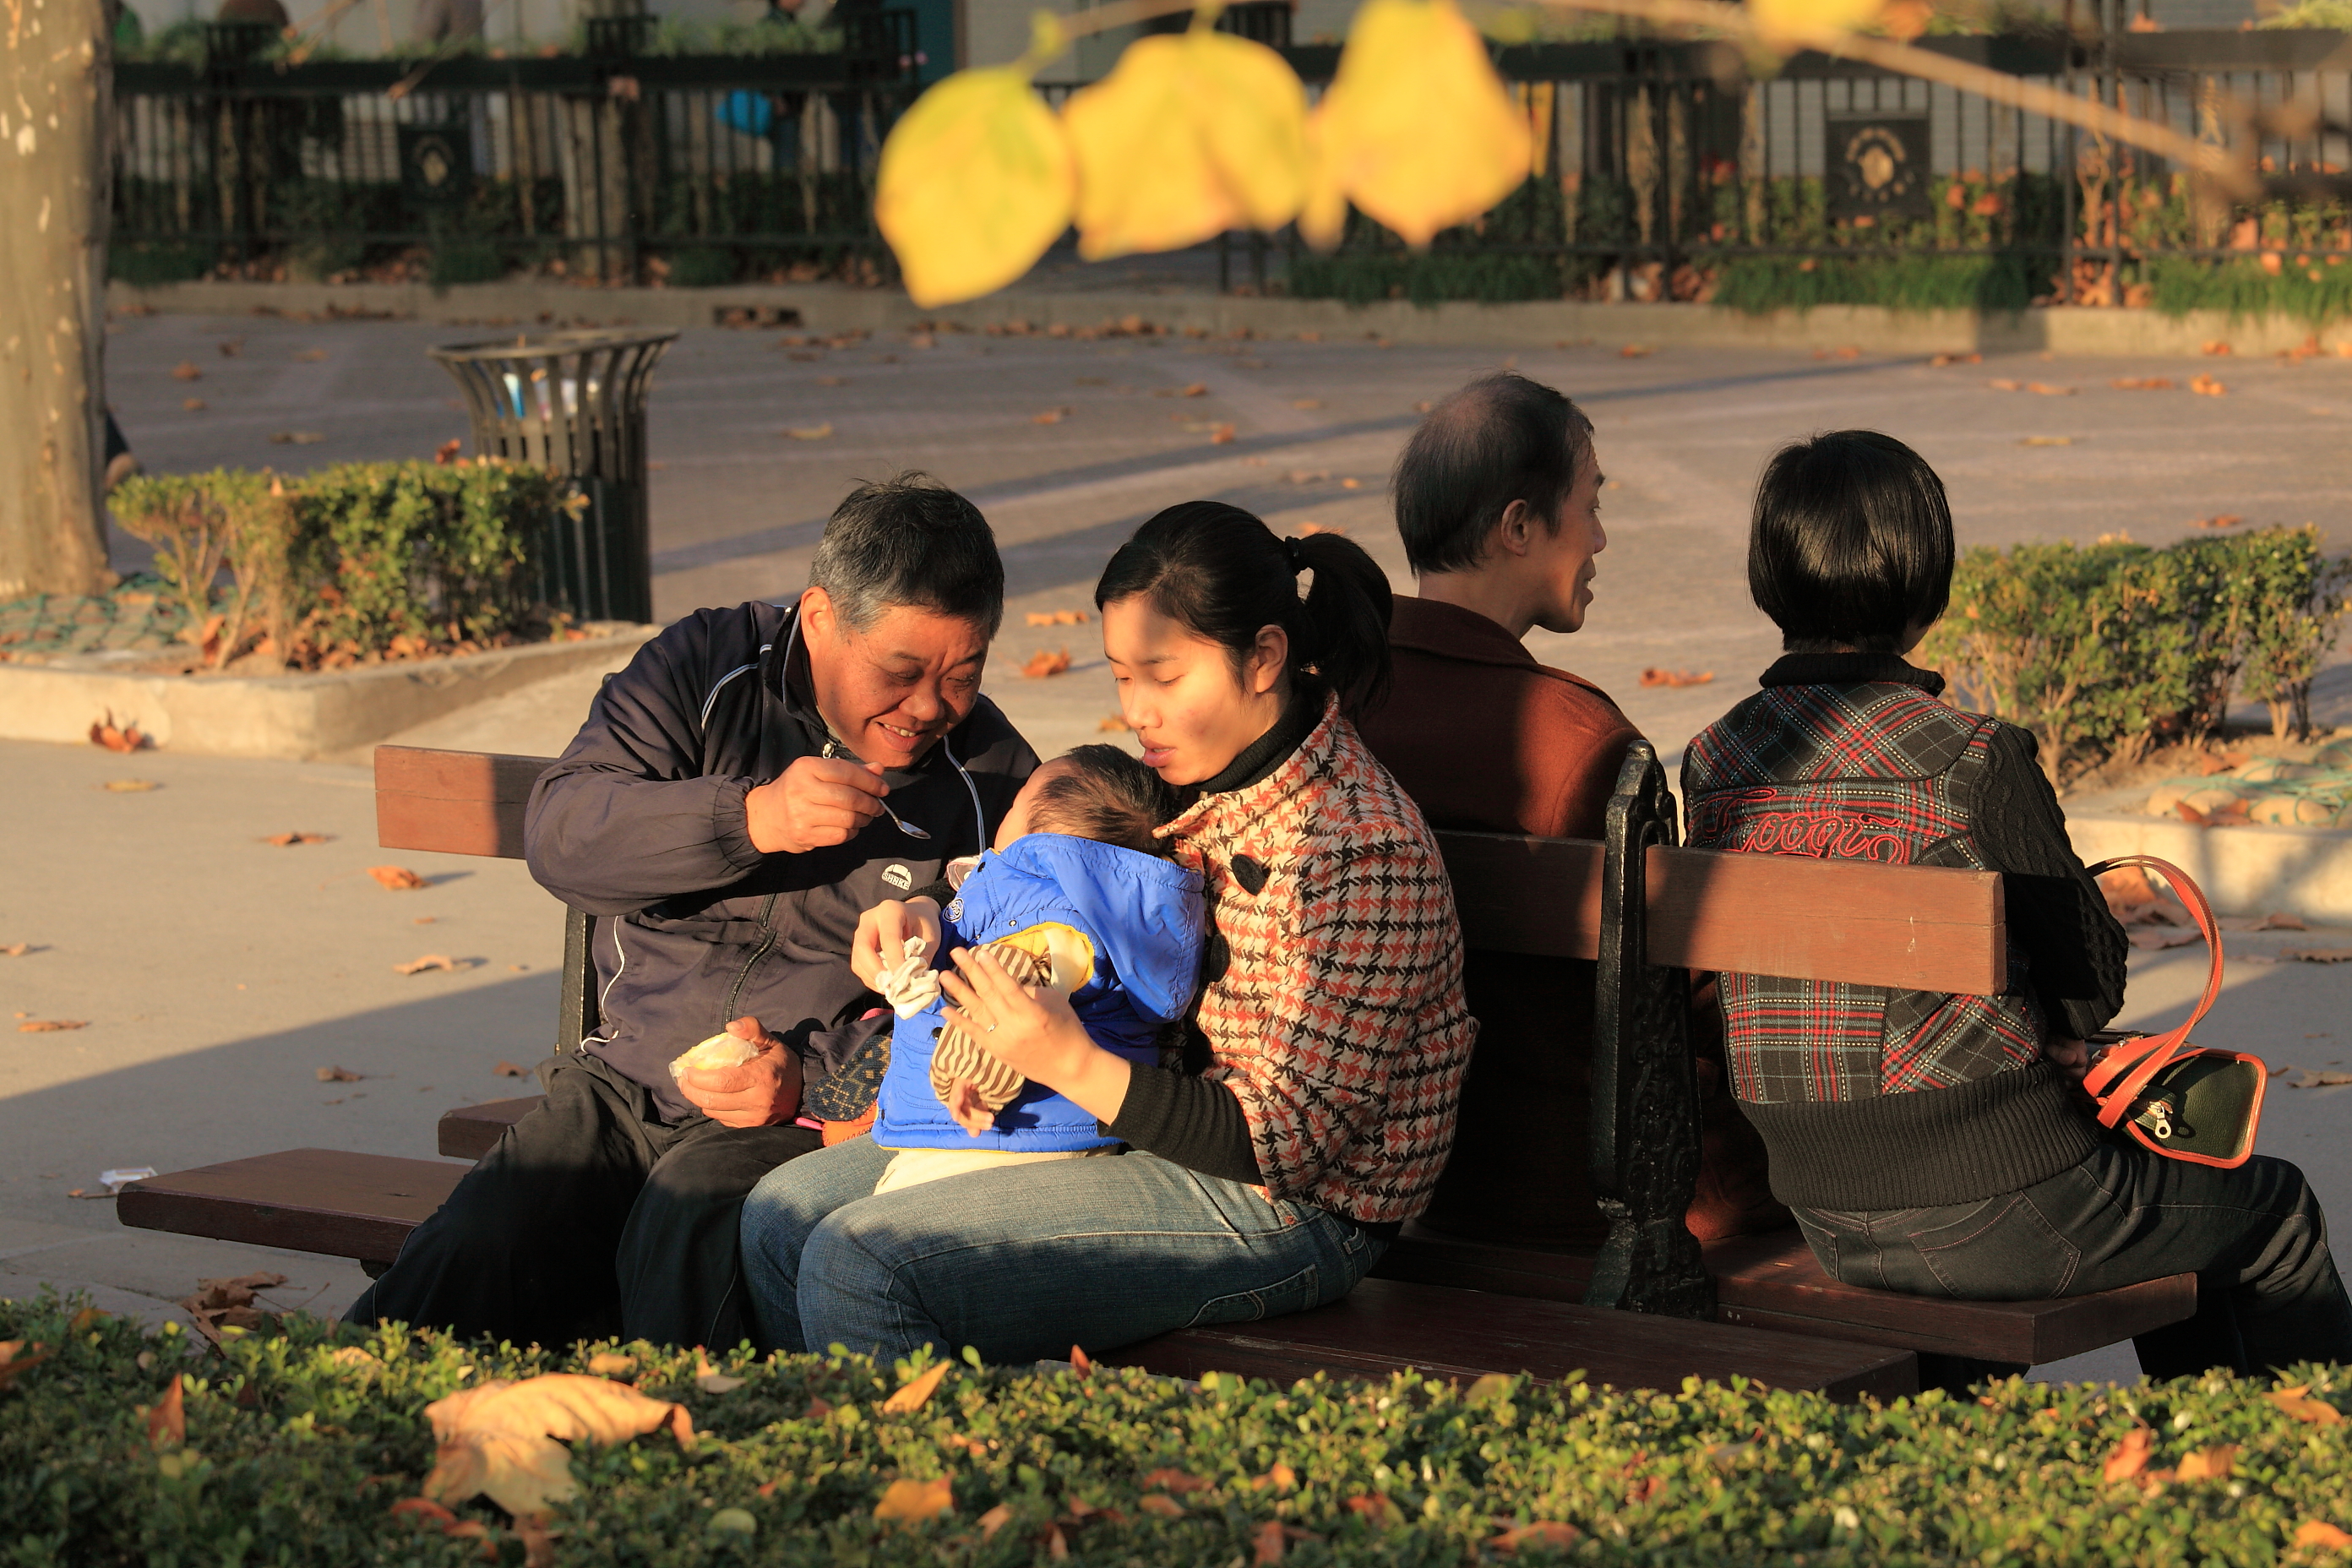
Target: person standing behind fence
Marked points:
1938	1144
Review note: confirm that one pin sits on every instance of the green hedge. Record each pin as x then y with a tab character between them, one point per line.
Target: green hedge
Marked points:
292	1456
2110	649
352	561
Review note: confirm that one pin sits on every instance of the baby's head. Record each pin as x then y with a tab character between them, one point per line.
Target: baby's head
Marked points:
1093	792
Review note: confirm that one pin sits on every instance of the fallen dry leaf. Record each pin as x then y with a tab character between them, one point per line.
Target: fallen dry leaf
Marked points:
833	380
297	438
15	1359
2046	390
2047	441
1377	1507
1220	435
128	786
117	737
1042	664
2317	954
994	1519
2003	384
1116	725
1676	677
2206	386
167	1423
50	1026
2130	1457
1162	1504
192	404
186	371
428	961
1635	350
2296	1402
289	840
1051	415
911	1502
1169	1481
2322	1079
711	1379
399	879
340	1075
810	432
1940	361
499	1440
1281	1478
507	1069
2143	383
2216	348
1081	1363
16	949
1269	1544
2319	1532
2209	1464
2226	520
912	1396
613	1363
1542	1533
1058	617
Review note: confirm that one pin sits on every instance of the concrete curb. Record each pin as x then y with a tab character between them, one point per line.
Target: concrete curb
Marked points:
2251	870
825	307
302	717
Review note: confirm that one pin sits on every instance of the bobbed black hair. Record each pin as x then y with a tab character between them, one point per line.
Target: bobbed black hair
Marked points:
1221	574
1501	438
1852	543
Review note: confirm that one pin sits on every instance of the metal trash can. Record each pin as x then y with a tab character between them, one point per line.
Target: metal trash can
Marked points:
575	403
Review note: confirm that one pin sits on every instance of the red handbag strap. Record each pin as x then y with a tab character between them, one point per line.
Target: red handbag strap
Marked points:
2136	1062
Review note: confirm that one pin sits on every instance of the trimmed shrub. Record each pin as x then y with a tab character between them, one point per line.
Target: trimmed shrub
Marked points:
351	561
297	1445
2111	649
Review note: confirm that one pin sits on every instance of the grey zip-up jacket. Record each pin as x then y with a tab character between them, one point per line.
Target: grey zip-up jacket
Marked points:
640	824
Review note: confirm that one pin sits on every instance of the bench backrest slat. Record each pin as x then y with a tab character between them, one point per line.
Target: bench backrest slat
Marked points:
459	803
1920	928
1917	927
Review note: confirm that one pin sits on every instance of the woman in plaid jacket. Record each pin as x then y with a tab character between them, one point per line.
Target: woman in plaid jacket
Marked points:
1311	1103
1938	1144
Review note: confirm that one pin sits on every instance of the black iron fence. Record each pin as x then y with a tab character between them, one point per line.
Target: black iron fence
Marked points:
1663	171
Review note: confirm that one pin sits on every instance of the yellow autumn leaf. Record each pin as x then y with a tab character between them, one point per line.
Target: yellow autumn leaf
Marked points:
1785	24
908	1502
2212	1464
1190	135
976	181
1416	128
2293	1403
2319	1532
915	1391
499	1439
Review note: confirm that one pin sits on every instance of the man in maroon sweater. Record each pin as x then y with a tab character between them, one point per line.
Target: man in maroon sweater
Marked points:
1498	498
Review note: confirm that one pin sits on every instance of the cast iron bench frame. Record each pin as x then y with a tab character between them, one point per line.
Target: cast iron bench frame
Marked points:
1647	910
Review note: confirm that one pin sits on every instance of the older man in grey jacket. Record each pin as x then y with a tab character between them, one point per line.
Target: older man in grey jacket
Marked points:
755	779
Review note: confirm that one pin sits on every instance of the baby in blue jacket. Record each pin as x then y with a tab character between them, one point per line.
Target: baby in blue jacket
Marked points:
1076	894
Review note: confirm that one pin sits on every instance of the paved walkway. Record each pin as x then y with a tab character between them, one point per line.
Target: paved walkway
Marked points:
218	974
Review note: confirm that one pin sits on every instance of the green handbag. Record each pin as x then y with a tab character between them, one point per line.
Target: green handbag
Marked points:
2183	1102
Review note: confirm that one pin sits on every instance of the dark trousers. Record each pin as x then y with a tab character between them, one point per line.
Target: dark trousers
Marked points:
2268	1294
589	1219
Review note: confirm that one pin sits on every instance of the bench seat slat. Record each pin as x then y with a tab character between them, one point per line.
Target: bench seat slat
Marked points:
470	1131
1915	928
1384	1326
459	803
327	1201
1773	1281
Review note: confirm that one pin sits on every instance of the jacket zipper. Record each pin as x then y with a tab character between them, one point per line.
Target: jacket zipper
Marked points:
767	940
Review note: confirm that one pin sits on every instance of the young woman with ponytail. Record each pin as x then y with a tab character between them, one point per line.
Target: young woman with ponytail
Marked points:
1310	1106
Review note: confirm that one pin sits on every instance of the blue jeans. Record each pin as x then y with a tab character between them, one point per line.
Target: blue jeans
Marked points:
1025	1261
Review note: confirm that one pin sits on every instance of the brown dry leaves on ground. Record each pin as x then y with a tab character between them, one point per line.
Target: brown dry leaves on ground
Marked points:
50	1026
431	961
118	737
2207	386
1051	415
1042	664
17	1358
1676	677
293	841
499	1440
230	1303
2226	520
398	878
2143	383
1058	617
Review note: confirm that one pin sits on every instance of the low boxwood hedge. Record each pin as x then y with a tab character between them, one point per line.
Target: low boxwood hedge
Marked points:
296	1450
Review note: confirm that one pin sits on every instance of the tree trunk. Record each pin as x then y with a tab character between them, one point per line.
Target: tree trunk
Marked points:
56	102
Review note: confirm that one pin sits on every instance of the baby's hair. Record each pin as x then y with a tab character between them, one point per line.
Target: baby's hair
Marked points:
1107	795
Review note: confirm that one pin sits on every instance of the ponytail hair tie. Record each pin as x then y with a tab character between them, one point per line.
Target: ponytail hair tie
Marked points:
1290	552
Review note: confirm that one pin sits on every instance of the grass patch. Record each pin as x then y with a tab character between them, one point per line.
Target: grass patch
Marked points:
295	1448
1360	277
148	266
465	261
1759	285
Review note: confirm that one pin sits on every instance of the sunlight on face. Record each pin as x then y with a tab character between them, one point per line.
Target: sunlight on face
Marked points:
1180	693
1565	556
889	691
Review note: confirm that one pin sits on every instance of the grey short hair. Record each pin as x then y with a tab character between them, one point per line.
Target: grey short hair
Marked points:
910	541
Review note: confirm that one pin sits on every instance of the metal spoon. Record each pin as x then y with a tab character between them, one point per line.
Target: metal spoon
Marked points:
908	828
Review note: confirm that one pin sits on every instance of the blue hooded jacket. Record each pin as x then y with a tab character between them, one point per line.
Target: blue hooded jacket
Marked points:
1147	920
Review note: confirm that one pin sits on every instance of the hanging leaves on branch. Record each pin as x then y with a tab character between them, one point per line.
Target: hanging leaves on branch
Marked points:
977	179
1189	136
1416	129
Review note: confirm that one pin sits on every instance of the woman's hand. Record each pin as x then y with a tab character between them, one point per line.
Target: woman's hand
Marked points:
2072	1056
1035	1033
880	942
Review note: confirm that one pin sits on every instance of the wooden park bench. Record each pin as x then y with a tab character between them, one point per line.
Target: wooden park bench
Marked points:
1646	1308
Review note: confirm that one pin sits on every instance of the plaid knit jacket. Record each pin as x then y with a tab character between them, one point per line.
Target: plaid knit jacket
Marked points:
1332	1006
1872	1099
